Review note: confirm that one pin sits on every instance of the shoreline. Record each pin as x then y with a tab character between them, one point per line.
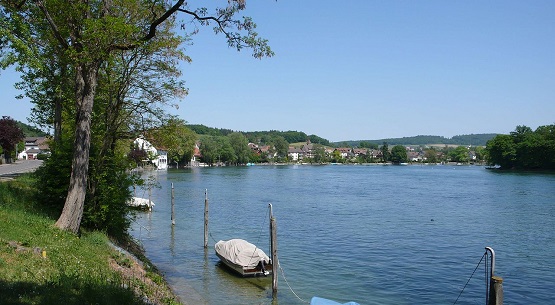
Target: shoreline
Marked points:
135	250
132	249
40	244
332	163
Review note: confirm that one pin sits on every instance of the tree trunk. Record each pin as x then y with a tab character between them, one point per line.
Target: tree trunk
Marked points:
86	81
58	100
7	156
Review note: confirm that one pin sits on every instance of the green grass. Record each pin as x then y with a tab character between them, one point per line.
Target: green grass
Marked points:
40	264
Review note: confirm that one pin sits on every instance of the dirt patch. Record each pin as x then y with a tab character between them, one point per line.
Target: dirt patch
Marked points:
18	247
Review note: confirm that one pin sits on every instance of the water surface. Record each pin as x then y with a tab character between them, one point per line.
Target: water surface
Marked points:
371	234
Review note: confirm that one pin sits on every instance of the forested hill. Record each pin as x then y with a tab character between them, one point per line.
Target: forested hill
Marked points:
289	136
30	131
298	136
471	139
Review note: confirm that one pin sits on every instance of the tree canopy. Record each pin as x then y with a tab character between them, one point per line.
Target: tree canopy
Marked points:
230	149
399	154
386	154
523	149
79	61
459	154
176	138
10	135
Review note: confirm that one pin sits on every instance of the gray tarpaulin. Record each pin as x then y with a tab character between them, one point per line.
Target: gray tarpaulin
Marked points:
241	252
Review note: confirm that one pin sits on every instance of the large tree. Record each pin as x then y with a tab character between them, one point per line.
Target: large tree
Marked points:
240	146
10	135
86	34
399	154
176	138
133	87
386	154
209	150
430	155
523	149
501	150
226	153
281	146
459	154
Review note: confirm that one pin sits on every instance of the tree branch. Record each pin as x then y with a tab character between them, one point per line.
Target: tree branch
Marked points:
53	25
155	23
152	29
212	18
199	17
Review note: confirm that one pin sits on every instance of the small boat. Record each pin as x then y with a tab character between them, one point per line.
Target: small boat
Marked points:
140	203
322	301
243	257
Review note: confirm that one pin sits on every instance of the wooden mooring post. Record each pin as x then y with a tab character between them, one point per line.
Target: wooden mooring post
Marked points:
149	198
206	218
274	252
173	206
495	293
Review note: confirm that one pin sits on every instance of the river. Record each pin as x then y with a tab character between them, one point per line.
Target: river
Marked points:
370	234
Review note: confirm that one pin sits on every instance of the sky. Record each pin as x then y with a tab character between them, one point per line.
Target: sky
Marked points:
365	70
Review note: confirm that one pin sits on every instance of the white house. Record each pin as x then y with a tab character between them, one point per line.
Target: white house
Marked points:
33	147
158	158
295	153
195	159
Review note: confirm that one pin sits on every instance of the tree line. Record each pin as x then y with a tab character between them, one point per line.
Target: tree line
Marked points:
234	149
523	149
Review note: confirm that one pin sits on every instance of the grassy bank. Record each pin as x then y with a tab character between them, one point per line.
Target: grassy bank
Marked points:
39	264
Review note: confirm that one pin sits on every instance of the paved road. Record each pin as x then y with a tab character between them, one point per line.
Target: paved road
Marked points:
19	167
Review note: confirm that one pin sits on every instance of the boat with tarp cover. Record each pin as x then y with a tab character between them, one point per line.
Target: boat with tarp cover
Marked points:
243	257
322	301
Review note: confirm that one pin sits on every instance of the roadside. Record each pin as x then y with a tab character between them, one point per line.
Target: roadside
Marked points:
12	170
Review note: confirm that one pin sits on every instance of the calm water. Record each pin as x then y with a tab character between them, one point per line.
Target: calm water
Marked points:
371	234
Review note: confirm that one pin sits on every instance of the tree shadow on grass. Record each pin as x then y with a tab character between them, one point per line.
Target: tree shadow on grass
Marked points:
66	291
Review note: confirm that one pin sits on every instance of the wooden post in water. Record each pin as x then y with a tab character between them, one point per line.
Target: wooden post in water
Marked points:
495	293
173	206
206	218
149	200
274	251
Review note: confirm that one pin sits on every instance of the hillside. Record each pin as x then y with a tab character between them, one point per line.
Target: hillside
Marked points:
471	139
30	131
297	136
254	136
40	264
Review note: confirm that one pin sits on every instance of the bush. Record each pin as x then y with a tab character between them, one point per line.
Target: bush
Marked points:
42	156
109	188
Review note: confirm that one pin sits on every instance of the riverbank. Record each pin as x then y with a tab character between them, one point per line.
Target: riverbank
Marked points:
40	264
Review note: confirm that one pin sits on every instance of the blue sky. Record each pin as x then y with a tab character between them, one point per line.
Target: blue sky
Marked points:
352	70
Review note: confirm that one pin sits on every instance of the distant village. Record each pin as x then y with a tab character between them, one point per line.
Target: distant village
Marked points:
308	153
